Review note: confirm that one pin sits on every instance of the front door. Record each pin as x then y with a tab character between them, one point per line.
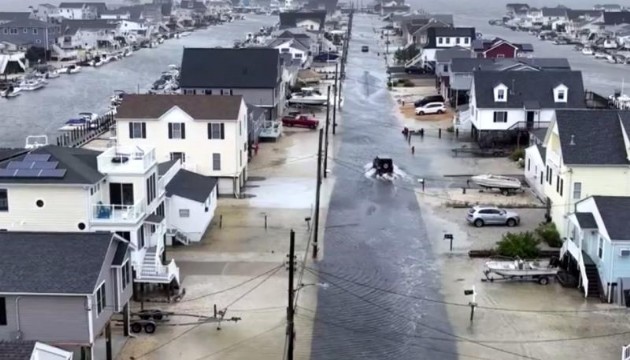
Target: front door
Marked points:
530	119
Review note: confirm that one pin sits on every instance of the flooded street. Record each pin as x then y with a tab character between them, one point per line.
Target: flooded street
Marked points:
44	111
374	232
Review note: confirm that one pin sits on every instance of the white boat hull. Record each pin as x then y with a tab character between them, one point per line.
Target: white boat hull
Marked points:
496	182
308	101
518	269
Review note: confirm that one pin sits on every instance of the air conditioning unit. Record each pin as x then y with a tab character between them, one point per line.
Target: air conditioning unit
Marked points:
624	252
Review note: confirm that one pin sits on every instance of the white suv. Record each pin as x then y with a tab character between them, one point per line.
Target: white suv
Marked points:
431	108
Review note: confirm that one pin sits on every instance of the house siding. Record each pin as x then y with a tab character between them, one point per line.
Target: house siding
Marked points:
199	219
64	208
49	319
265	98
534	167
503	50
196	145
111	292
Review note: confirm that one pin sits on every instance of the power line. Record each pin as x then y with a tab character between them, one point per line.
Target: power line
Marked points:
384	336
272	270
269	275
557	311
438	330
240	342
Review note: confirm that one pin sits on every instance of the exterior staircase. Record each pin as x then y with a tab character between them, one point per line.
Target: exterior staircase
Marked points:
416	59
153	271
179	236
593	280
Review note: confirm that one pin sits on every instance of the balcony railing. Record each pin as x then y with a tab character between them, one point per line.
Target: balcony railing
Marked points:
116	213
126	160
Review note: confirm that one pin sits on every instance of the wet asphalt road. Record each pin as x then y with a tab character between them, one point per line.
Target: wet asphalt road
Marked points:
374	233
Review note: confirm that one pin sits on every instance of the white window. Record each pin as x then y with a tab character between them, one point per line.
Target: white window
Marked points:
178	156
600	248
137	130
216	162
101	299
440	40
448	40
466	40
176	130
501	94
577	190
14	31
216	131
560	93
184	213
500	117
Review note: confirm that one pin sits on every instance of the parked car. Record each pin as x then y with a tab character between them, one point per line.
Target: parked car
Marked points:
490	215
431	108
416	70
428	99
365	48
300	120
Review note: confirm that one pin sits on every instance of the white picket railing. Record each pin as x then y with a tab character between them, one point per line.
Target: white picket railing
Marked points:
625	353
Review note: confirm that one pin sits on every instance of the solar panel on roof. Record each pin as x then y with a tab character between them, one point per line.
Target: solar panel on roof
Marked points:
45	164
20	165
37	157
7	172
52	173
27	173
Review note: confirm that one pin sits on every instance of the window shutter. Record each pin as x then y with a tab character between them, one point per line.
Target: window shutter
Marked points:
183	130
170	130
144	130
209	131
131	130
3	311
222	131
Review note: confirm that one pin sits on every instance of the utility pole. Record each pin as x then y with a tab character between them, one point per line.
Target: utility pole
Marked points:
317	191
326	135
336	96
290	305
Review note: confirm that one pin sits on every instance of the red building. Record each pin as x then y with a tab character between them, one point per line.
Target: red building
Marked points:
500	48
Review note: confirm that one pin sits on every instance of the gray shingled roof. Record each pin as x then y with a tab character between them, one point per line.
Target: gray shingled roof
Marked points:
596	136
614	213
16	350
70	27
446	55
80	164
586	220
528	86
455	31
554	12
230	68
13	16
121	253
190	185
616	17
468	65
164	167
52	262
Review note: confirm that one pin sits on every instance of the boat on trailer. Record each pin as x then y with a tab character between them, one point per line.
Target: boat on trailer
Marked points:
520	270
505	184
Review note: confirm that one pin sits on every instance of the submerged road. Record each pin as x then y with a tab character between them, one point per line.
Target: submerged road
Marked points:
375	234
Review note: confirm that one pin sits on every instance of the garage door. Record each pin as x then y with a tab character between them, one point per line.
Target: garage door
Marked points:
226	186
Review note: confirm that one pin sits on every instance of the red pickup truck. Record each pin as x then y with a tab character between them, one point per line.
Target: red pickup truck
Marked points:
300	120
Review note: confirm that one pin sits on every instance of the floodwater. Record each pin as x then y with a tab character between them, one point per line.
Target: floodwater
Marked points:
46	110
375	234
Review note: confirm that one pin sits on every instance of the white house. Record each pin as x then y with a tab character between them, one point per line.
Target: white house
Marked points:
502	103
115	14
87	34
535	168
191	200
439	37
81	10
208	133
553	15
294	47
308	20
599	243
56	188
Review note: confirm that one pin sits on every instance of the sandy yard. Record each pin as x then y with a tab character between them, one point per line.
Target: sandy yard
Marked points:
238	248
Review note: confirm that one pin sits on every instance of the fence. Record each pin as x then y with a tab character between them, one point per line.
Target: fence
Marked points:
83	134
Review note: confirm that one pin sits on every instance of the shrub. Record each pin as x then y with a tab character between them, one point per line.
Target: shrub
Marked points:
548	233
523	245
517	154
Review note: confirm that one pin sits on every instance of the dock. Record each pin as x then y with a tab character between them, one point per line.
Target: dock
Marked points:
84	134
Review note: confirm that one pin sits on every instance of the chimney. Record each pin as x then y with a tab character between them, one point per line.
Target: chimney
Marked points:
572	140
